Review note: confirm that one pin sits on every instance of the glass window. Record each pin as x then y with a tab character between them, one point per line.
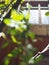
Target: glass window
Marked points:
34	17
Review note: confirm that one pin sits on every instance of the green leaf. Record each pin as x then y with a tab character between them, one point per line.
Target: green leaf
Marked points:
19	29
22	1
22	63
31	35
7	21
36	60
16	16
5	44
47	13
12	31
6	61
10	55
27	16
7	1
13	39
2	5
14	52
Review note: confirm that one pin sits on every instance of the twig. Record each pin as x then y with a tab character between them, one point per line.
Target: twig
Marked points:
39	53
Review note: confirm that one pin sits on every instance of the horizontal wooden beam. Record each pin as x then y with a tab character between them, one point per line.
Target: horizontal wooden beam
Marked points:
35	3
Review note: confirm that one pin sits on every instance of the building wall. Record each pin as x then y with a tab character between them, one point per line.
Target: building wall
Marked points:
37	0
40	29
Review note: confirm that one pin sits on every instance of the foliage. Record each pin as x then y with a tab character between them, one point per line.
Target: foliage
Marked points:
17	17
36	59
47	13
5	44
18	29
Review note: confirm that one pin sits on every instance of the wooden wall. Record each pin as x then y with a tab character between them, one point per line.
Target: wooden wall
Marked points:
40	29
35	3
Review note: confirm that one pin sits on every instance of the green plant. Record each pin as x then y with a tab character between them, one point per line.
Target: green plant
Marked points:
18	29
47	13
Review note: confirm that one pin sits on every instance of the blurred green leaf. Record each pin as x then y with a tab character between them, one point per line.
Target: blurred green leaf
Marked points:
47	13
19	29
10	55
15	52
7	21
6	61
13	39
38	59
22	63
30	25
16	16
31	35
24	58
5	44
7	1
12	31
27	15
22	1
2	5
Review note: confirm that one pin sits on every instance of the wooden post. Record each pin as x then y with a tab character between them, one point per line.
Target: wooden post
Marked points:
39	10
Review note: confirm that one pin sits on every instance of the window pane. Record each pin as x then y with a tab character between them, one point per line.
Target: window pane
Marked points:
34	17
45	19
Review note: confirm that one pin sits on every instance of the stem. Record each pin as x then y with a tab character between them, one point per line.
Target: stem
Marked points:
39	53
